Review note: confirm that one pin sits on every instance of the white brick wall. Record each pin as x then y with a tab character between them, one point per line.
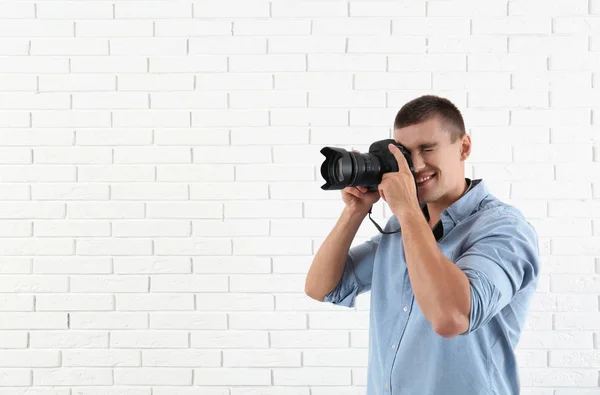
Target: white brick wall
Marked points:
160	198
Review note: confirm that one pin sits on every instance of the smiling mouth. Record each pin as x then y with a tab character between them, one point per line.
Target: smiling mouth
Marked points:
424	180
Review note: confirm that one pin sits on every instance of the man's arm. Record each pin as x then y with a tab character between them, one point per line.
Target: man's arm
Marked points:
441	288
329	263
457	298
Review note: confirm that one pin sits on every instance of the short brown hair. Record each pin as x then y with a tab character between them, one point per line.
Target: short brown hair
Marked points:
426	107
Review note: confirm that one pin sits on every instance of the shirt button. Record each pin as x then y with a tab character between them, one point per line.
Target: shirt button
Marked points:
387	385
393	346
405	308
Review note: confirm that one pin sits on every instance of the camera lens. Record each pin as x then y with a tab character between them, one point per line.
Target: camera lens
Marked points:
343	168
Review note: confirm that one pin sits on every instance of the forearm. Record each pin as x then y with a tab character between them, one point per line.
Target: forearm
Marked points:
440	287
329	263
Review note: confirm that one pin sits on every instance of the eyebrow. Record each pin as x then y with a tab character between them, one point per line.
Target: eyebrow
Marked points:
427	145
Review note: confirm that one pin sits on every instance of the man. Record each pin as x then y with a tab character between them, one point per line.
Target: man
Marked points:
451	290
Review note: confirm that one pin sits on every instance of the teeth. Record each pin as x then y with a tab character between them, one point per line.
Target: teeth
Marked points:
424	179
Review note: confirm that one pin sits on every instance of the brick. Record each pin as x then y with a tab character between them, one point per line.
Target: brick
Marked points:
583	98
311	376
191	136
17	11
555	340
209	339
320	339
70	192
575	62
71	265
33	320
577	321
227	45
267	320
564	303
306	45
35	28
184	210
113	247
547	45
101	358
506	62
179	358
512	25
229	118
109	64
338	320
578	135
582	245
271	27
109	283
204	174
153	10
346	62
192	28
112	321
74	10
551	80
470	80
14	339
176	100
148	46
232	82
16	377
286	9
234	302
188	283
434	26
427	62
262	358
69	47
74	303
89	210
149	191
149	339
192	246
547	8
68	339
558	377
46	246
16	302
18	83
508	98
113	28
231	264
188	321
70	119
314	81
387	9
271	246
153	376
232	228
267	283
151	265
110	100
550	117
116	173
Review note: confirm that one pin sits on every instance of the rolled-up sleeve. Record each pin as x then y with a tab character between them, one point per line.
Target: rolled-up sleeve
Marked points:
357	275
502	259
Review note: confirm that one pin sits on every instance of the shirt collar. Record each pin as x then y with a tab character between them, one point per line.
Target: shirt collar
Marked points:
466	205
469	202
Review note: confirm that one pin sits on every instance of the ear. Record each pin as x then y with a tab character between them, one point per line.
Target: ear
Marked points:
465	147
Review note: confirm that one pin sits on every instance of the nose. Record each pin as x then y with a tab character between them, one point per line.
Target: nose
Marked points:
418	162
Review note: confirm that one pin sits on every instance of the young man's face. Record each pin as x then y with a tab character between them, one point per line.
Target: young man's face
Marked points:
439	163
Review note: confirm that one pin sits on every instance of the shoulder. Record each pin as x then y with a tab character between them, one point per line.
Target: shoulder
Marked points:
496	217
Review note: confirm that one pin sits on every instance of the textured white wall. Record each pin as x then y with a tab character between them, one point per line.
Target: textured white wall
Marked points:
160	182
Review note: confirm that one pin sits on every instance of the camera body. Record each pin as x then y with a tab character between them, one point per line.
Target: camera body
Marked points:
342	168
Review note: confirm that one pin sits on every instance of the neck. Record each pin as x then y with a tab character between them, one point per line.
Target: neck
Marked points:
436	208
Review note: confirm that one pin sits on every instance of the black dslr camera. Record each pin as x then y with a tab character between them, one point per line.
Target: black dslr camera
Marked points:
342	168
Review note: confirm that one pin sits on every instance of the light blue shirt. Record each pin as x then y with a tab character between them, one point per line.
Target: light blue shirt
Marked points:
497	249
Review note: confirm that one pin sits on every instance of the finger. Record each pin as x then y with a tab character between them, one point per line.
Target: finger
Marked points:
402	163
354	192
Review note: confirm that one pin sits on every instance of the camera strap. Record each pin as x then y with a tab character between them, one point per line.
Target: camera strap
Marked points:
379	227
